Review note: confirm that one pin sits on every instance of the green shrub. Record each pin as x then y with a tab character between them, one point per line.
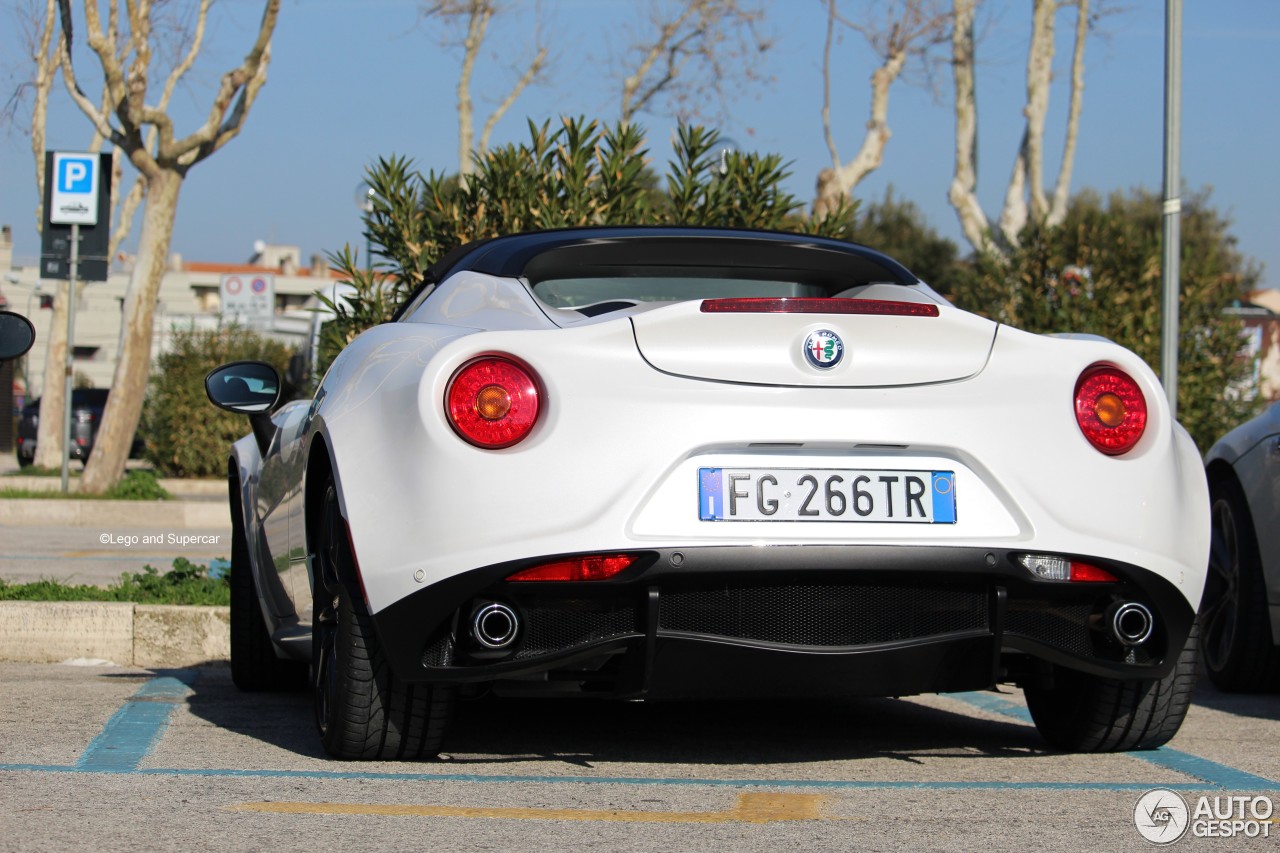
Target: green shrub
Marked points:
185	583
582	173
1099	273
186	436
137	485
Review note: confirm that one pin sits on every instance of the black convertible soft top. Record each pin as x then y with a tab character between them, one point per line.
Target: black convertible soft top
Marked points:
671	250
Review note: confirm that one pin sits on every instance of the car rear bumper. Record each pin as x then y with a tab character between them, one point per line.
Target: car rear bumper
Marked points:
786	620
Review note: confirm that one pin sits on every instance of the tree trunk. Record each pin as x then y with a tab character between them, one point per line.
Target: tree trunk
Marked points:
49	450
1062	189
963	193
129	385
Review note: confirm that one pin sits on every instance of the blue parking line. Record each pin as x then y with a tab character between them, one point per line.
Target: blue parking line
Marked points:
1215	774
132	733
679	782
135	729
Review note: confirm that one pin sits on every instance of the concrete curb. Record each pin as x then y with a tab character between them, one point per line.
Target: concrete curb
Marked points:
177	488
39	512
148	635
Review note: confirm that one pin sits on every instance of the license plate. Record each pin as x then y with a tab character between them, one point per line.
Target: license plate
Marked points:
826	494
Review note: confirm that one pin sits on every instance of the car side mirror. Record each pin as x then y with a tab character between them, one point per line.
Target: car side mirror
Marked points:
16	335
248	388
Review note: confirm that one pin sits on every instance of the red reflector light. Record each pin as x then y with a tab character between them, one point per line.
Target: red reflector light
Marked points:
809	305
1085	573
1110	409
492	402
595	568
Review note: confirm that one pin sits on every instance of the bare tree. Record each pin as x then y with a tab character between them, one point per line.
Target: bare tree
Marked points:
688	53
1026	195
125	50
470	20
44	43
907	30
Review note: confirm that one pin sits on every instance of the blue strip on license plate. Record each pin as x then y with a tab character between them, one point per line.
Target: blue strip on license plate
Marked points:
823	494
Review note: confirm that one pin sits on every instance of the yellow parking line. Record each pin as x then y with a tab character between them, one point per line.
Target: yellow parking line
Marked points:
750	808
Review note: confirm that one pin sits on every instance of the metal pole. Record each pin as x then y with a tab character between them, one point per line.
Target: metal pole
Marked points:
1170	269
71	351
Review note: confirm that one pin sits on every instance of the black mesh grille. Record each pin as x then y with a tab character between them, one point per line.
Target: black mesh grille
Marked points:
824	615
569	624
1063	626
439	653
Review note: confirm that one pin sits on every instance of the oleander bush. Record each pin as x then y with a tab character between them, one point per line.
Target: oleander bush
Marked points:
186	435
580	173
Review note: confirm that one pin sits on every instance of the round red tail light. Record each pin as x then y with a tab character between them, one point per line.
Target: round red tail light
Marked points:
1110	409
492	402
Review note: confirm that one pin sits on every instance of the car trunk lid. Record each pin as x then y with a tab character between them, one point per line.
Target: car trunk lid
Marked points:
861	342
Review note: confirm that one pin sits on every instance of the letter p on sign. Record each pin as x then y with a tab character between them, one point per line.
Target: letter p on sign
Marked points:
74	199
75	176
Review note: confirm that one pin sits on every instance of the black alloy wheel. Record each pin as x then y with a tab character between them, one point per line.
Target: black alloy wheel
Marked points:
363	711
1239	651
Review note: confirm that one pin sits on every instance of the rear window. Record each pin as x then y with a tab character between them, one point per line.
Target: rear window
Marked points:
575	292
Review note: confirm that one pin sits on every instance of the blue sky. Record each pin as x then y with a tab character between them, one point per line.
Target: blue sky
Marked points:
352	80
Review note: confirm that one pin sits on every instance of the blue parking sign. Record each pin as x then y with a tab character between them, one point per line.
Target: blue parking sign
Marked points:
74	200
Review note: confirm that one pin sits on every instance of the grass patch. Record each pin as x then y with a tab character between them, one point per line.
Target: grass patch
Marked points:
185	583
137	485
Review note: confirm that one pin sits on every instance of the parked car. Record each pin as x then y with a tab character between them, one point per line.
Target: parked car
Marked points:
87	405
676	463
1240	613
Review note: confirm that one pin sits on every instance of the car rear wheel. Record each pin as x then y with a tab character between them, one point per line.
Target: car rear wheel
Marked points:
1090	713
1240	654
362	710
255	667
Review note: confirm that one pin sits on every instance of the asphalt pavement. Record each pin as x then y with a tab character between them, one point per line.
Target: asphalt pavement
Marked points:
120	758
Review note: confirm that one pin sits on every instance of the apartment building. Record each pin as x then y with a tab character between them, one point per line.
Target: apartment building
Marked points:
190	298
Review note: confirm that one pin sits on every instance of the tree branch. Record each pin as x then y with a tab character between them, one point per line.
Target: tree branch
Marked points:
826	85
479	12
531	73
1062	188
242	85
963	192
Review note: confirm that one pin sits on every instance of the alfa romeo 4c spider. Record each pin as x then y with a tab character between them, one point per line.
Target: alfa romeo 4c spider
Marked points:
676	463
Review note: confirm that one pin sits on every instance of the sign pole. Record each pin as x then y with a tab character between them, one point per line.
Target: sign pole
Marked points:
71	350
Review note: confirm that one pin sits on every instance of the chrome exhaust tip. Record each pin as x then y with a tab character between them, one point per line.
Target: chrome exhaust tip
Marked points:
1131	623
495	625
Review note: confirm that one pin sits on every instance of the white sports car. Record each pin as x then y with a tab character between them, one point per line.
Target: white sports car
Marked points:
675	463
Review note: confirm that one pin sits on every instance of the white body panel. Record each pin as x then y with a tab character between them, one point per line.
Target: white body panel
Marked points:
612	463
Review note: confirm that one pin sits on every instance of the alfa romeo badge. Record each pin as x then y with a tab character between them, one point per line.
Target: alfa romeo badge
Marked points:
823	349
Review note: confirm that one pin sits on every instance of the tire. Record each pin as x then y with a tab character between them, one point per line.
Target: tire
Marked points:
24	462
1089	713
1238	648
362	710
255	667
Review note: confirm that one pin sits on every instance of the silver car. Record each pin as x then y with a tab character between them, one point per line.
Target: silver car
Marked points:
1240	612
